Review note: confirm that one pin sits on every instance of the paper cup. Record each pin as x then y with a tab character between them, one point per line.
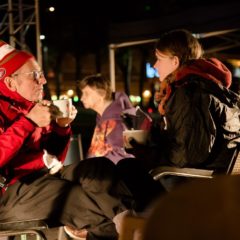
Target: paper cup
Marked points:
64	106
140	136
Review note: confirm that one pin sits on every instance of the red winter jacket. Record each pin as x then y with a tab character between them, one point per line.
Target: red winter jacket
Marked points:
22	142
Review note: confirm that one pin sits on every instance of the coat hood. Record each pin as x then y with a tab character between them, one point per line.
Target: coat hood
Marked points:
211	69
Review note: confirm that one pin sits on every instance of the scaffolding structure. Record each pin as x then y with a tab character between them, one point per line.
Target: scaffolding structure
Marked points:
17	19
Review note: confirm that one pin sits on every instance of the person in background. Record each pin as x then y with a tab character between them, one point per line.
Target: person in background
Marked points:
200	115
33	146
107	138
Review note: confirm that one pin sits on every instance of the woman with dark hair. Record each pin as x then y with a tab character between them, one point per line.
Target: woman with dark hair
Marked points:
200	126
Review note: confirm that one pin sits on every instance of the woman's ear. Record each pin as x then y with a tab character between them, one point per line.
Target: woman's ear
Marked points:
10	83
176	61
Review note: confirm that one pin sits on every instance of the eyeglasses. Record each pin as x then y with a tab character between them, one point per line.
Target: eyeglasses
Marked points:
36	75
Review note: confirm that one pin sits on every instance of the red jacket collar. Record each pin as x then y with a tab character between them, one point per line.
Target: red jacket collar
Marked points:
14	98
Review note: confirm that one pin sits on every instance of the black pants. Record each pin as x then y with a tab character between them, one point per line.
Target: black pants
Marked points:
143	187
87	194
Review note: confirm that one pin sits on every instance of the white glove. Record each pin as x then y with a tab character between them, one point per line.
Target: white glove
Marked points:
51	162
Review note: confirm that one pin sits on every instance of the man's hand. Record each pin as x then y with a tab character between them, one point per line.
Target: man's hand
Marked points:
40	115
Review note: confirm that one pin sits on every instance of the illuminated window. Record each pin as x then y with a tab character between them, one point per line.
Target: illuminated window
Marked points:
150	71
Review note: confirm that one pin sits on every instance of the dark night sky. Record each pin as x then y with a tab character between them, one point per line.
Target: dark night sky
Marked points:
87	23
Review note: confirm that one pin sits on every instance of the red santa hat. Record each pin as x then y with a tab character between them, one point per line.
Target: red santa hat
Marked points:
11	59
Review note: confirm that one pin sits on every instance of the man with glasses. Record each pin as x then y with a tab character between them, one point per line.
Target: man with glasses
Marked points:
84	196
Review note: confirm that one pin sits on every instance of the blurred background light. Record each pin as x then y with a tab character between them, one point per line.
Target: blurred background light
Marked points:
75	98
70	92
135	99
42	37
147	94
51	9
54	97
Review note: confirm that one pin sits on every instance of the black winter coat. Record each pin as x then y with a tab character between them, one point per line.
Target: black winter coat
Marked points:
202	124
